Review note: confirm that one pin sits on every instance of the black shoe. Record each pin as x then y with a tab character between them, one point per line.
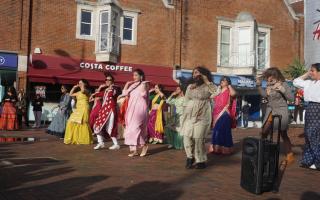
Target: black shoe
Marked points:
189	163
201	165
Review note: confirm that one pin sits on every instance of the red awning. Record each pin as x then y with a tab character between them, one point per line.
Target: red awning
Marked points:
67	70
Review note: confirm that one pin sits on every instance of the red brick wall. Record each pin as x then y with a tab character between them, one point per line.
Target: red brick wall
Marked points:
54	30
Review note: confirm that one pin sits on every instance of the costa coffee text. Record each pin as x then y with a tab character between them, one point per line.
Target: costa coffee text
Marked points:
99	66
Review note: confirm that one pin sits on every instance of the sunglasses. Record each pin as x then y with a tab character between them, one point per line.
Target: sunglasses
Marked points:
108	79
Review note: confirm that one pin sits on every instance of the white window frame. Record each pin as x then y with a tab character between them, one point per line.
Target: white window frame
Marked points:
134	16
231	26
267	32
91	9
234	25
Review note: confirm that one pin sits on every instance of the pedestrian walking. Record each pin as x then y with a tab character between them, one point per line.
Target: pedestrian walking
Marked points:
136	114
197	117
224	114
299	107
311	153
8	120
58	125
78	130
278	94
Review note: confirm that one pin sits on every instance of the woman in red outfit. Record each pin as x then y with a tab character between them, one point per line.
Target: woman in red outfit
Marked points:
8	120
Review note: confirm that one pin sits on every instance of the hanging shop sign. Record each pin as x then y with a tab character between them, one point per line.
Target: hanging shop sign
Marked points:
40	90
105	67
8	61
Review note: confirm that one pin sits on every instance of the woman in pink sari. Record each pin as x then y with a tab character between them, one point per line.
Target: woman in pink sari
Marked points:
224	113
136	114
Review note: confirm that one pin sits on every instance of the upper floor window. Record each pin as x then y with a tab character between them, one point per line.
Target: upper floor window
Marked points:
243	43
262	50
225	45
86	22
129	25
127	28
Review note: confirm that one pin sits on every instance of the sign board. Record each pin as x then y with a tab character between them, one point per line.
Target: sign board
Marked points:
312	32
40	90
8	61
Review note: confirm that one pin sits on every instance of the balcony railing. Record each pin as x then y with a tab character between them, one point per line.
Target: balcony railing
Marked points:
108	43
249	59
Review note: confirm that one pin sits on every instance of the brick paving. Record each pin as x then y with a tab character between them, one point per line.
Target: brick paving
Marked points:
48	169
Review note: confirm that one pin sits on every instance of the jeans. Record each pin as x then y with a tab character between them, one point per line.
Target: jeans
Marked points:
37	118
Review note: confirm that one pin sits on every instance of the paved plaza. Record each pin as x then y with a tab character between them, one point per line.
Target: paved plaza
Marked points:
48	169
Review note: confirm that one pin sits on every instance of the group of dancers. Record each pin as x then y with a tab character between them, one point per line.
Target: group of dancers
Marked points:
198	109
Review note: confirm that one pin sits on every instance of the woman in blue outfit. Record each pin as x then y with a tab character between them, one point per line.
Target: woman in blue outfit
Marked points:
58	124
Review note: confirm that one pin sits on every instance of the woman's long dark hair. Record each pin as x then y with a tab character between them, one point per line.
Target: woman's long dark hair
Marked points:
13	91
86	86
141	73
203	70
225	78
275	73
316	66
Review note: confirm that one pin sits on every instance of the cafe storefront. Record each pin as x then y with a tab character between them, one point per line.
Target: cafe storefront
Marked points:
47	73
8	71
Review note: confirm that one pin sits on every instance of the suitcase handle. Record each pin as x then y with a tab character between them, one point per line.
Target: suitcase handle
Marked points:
279	128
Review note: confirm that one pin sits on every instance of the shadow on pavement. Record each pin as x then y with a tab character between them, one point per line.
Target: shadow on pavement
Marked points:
145	190
309	195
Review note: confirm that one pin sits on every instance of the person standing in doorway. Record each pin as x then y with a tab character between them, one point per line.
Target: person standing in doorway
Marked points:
21	107
37	104
245	114
197	117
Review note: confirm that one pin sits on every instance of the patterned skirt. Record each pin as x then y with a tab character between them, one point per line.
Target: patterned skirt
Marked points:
8	120
311	153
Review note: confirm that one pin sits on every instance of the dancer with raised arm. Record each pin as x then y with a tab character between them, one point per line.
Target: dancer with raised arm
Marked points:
136	114
224	113
105	124
78	130
311	87
197	116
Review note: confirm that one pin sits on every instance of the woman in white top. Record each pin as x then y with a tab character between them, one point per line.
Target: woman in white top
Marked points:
311	154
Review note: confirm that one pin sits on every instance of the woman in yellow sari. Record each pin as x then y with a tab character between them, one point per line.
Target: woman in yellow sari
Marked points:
155	124
78	130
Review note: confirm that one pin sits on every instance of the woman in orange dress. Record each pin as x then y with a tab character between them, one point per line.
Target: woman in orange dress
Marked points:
8	120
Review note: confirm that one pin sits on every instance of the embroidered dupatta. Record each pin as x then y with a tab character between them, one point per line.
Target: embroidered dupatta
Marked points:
224	102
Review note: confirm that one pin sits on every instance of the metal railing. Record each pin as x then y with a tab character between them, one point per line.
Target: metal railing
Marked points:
108	43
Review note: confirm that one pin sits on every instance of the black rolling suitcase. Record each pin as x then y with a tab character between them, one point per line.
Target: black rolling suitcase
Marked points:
260	162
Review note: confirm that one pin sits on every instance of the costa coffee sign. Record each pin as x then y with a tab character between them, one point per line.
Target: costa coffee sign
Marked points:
105	67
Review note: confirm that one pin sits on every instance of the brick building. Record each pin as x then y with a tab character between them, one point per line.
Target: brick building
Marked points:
72	39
